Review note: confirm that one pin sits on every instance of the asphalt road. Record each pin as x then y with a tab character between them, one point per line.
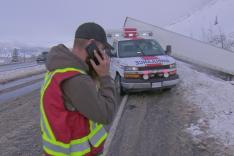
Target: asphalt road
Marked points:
19	126
153	124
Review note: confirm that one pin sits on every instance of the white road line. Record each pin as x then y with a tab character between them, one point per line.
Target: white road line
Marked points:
114	126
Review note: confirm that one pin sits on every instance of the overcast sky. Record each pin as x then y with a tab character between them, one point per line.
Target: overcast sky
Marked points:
45	22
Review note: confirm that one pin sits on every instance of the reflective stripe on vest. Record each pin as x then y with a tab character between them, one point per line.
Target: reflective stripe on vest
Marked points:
75	147
98	134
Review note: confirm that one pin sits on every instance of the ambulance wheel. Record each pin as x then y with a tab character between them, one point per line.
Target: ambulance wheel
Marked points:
119	88
166	89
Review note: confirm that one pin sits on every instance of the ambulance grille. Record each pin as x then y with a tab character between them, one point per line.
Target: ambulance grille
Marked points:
154	67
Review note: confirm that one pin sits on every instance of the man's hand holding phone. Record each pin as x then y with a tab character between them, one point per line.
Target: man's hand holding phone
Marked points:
104	64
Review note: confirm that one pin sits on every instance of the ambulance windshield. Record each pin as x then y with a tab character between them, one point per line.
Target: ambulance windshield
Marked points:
139	47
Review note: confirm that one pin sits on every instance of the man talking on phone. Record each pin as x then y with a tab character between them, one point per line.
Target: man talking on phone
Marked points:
78	95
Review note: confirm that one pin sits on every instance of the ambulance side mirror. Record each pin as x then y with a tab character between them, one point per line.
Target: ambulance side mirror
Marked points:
168	50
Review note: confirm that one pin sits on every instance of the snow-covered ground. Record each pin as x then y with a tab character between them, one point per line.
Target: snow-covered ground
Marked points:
20	73
214	97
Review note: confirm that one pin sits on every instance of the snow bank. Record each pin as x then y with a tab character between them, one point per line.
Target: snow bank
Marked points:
214	97
20	73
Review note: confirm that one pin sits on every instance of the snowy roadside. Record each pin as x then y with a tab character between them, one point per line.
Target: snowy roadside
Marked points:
20	73
215	98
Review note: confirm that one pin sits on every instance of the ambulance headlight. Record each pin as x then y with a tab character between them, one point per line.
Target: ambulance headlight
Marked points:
128	68
173	65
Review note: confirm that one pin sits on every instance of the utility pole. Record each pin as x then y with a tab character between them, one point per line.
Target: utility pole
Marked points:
15	57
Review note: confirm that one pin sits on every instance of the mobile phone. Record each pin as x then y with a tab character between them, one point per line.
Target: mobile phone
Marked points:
90	50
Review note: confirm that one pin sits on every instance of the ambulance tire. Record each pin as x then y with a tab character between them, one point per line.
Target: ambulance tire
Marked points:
166	89
119	88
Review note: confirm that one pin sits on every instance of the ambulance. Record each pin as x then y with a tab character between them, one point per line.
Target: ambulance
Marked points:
139	63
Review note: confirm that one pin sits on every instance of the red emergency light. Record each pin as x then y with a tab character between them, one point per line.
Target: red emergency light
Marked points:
130	32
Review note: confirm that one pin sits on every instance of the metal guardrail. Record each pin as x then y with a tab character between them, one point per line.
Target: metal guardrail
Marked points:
18	68
7	64
188	49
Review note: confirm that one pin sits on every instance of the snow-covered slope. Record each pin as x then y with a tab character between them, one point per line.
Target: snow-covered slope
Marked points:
214	97
212	20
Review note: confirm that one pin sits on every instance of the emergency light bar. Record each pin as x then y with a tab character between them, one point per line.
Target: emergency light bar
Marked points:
130	33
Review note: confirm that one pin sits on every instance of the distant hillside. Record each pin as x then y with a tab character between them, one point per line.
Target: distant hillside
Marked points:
213	23
6	49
